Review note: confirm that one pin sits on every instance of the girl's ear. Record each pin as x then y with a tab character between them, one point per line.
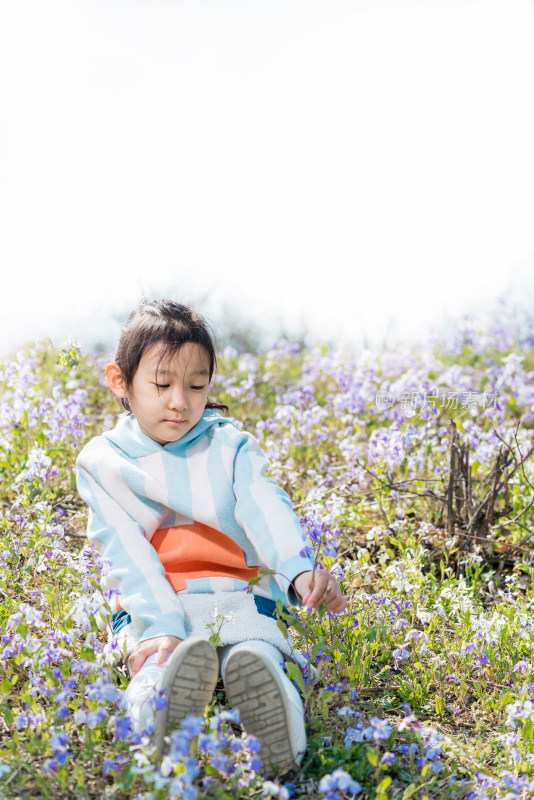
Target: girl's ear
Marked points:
115	381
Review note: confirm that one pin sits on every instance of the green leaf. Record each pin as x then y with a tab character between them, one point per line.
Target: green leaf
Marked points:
383	785
527	730
295	623
373	758
506	698
87	653
294	673
372	634
282	627
127	777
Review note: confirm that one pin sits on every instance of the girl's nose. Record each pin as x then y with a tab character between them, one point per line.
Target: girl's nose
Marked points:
177	399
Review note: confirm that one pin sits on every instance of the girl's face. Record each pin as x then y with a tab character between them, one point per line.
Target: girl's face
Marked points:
168	398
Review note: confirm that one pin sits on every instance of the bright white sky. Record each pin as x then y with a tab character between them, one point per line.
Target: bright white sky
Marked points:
347	167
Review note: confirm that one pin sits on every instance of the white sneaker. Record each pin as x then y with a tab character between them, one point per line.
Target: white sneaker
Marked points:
269	704
188	678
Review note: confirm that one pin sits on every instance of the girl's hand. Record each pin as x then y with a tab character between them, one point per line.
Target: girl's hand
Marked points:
162	645
314	587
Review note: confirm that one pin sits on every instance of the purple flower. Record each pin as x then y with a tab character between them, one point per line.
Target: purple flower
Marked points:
339	779
103	690
180	744
157	700
122	728
192	725
94	718
381	729
354	734
220	762
252	744
410	722
113	765
52	764
400	653
59	741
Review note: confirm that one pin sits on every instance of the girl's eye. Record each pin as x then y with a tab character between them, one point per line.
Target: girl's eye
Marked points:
166	386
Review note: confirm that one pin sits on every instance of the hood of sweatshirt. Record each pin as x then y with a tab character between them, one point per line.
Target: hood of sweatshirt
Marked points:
128	436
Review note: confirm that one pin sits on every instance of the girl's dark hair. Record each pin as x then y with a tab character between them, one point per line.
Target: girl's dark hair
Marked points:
166	323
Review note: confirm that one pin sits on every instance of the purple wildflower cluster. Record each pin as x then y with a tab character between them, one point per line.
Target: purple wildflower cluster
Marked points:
323	538
328	438
199	743
425	747
202	753
52	412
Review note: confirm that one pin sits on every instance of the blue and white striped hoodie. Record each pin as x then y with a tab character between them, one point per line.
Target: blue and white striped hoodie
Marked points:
198	515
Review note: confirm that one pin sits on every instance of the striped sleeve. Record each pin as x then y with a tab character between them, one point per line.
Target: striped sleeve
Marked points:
265	512
116	530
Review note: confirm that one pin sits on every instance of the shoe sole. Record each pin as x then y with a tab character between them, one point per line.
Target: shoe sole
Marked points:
190	678
253	687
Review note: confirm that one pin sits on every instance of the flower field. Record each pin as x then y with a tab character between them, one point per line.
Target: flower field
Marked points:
412	470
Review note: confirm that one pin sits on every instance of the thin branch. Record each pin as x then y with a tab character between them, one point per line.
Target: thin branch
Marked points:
524	459
397	486
514	519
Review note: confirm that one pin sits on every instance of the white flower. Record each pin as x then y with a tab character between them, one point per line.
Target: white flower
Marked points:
275	790
424	616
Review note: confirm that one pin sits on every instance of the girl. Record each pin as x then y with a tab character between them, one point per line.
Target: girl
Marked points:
180	504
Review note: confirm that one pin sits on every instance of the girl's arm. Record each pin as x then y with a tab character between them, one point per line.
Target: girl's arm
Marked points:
135	567
266	514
